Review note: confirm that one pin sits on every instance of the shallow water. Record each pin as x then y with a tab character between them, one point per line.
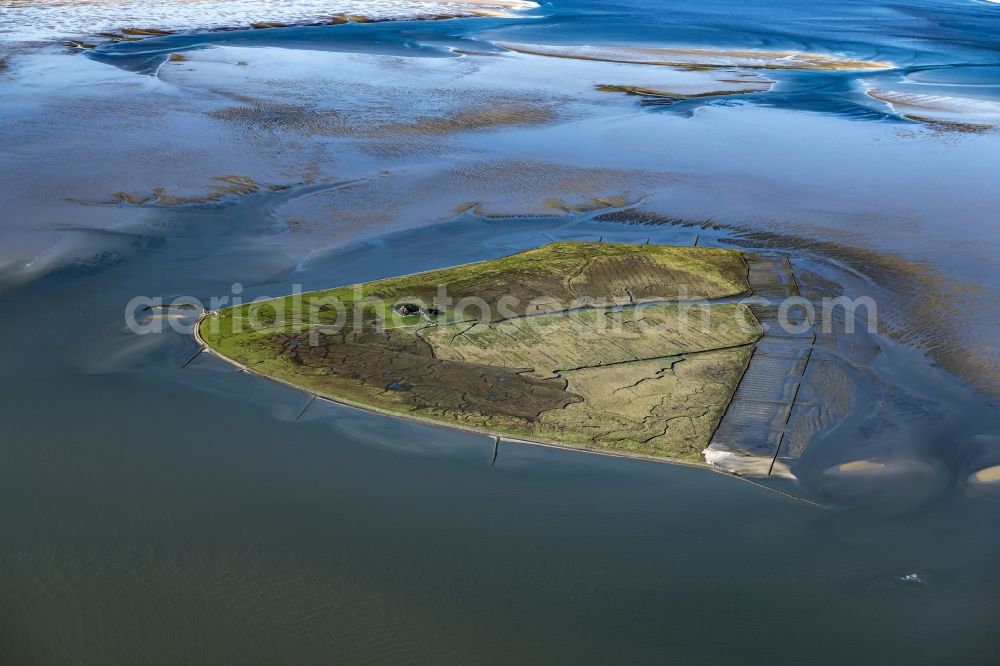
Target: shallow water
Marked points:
158	509
164	513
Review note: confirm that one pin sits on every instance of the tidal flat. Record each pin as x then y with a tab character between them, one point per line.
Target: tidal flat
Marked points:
161	505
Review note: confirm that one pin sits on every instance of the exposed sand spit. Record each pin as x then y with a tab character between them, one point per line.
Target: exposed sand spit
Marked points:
224	187
700	58
650	91
989	475
972	113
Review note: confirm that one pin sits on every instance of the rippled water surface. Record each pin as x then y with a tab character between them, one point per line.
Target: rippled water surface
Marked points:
159	509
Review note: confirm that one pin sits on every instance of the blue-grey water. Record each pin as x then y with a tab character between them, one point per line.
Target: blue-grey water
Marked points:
946	43
162	513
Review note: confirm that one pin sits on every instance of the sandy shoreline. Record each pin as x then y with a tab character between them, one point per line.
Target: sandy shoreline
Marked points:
701	57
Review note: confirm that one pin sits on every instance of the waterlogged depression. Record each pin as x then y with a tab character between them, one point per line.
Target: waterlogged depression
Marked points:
247	522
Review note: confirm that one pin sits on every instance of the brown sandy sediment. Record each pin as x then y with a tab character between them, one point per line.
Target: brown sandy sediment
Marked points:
988	475
498	188
470	52
641	216
473	119
226	187
146	32
950	125
130	34
116	37
258	115
547	207
959	114
517	187
387	122
699	58
492	111
917	305
648	91
580	206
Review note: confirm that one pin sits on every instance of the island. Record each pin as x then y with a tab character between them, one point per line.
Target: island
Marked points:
622	348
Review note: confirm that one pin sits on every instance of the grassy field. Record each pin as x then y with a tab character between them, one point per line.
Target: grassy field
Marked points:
594	345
